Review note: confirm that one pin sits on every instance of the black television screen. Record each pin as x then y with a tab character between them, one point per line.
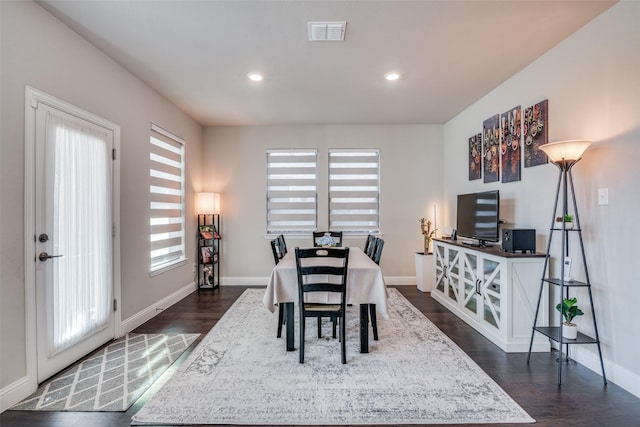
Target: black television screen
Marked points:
479	216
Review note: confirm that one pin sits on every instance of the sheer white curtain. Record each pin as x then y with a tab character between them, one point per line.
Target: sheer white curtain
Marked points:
79	289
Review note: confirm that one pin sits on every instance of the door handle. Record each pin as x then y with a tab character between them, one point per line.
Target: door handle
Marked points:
45	256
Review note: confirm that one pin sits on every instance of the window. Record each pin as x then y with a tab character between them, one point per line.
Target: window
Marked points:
354	191
292	196
166	177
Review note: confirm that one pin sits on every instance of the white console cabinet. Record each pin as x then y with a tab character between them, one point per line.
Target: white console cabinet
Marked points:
493	291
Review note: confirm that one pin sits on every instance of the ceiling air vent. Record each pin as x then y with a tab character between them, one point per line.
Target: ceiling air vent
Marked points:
326	31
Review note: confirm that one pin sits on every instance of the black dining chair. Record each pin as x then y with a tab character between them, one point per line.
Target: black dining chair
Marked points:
370	240
282	244
277	251
375	257
322	270
371	249
278	254
336	235
377	253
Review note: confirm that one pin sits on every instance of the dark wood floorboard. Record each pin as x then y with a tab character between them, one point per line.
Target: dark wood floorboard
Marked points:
582	400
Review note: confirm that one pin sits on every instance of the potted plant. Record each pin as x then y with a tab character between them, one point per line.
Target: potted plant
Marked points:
568	221
569	311
427	233
424	262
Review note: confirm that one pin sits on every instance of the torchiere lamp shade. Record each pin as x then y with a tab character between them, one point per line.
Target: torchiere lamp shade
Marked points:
565	152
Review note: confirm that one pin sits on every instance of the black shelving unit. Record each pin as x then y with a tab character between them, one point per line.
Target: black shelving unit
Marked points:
208	253
565	181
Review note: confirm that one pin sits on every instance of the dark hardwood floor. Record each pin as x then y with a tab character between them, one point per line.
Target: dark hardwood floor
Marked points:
582	400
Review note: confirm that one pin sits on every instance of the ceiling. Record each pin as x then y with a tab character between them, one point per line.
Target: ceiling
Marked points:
449	53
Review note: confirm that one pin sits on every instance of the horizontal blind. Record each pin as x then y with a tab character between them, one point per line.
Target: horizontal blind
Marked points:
166	189
292	177
354	191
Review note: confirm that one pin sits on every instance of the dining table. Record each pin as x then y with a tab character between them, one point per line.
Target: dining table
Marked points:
365	286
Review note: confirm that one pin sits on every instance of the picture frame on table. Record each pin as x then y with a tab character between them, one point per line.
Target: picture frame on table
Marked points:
205	253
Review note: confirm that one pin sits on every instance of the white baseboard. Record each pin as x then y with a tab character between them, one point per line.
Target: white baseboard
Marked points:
400	280
14	393
244	281
150	312
263	281
616	374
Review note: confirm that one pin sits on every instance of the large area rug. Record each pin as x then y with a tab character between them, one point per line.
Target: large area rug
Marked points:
241	374
112	378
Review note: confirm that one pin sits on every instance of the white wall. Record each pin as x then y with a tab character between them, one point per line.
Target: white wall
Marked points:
235	165
592	84
38	50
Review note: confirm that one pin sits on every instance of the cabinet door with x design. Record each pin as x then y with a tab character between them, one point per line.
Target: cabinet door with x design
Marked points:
492	291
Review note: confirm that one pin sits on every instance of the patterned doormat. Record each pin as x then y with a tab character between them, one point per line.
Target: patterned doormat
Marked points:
111	379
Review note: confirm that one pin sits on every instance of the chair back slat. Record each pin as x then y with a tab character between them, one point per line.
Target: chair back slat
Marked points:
371	250
278	254
370	239
282	244
378	251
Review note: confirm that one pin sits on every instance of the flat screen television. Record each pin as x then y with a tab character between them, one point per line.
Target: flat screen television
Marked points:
478	216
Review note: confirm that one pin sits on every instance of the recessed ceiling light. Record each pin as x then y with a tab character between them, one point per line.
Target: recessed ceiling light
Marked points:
392	75
256	77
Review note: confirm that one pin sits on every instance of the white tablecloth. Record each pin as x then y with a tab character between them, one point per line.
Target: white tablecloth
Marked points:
365	283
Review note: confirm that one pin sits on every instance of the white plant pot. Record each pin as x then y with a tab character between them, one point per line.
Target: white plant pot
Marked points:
567	225
570	330
424	271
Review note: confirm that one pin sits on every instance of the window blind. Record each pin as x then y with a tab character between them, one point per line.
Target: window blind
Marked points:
354	191
292	177
166	190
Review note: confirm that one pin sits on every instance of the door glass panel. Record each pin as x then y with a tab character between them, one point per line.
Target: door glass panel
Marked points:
470	276
491	312
453	262
80	291
470	296
453	287
441	269
491	292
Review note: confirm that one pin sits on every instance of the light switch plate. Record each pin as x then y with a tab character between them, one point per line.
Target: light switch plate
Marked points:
603	196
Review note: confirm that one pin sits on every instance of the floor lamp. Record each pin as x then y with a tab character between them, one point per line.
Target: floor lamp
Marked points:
565	155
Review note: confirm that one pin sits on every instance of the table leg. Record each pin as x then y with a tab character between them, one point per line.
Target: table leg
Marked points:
364	328
288	308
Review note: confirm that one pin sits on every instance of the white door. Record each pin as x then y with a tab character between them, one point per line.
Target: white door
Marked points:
73	238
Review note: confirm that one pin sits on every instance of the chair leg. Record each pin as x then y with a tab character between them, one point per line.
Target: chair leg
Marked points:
334	322
280	319
343	340
319	327
374	323
302	328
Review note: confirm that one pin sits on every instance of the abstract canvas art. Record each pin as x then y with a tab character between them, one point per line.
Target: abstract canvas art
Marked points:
491	149
510	152
475	157
536	130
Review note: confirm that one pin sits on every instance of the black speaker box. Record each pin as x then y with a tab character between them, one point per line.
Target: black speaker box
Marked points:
519	239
